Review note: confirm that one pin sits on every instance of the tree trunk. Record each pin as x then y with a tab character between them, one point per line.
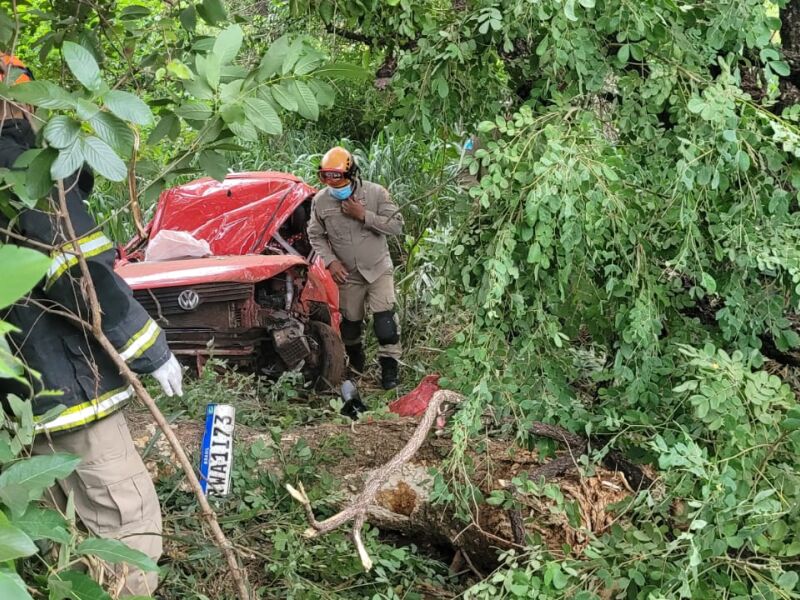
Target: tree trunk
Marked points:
404	503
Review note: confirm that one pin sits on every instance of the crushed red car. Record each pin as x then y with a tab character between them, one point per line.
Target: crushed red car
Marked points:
256	295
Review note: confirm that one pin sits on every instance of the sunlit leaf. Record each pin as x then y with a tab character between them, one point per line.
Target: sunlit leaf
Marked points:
227	45
14	543
128	107
83	66
103	159
20	270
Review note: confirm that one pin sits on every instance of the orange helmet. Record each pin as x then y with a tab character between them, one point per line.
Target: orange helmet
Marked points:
11	64
337	168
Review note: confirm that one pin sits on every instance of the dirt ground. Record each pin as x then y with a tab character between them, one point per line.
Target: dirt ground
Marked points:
404	503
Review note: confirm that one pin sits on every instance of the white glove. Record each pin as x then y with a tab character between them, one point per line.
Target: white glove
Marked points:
170	376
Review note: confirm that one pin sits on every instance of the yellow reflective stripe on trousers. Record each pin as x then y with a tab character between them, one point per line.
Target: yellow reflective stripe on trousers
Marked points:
91	245
141	341
85	413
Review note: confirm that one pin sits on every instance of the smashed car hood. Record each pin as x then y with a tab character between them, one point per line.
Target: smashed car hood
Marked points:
194	271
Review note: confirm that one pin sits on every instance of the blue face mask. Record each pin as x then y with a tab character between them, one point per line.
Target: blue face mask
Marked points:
342	193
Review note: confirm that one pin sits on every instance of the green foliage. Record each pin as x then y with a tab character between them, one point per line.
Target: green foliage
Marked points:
29	267
630	245
24	479
205	95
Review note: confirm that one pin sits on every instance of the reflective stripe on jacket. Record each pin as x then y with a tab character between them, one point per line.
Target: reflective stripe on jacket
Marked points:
66	356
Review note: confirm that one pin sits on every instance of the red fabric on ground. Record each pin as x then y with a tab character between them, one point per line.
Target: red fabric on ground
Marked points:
416	401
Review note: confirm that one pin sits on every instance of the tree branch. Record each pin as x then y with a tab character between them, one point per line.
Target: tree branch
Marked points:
358	507
90	293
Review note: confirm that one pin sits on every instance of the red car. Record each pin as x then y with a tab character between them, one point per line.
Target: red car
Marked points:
261	299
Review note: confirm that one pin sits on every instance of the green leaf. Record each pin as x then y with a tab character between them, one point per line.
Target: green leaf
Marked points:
72	585
273	58
261	114
188	18
708	283
30	477
12	587
283	96
211	70
114	551
788	580
780	68
442	88
167	125
230	93
292	54
20	270
232	113
43	523
134	11
114	132
696	105
743	160
128	107
213	164
37	176
323	92
86	110
587	3
307	63
61	131
67	162
194	111
569	10
43	94
769	54
560	579
212	11
198	88
103	159
14	543
342	71
83	66
245	130
179	70
624	52
307	105
228	43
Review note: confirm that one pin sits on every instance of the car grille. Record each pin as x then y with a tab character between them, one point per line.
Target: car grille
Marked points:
164	301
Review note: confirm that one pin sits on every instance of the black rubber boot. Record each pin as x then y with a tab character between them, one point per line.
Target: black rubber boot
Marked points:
357	358
389	372
353	406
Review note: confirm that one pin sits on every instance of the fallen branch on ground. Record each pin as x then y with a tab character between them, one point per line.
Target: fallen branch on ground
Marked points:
577	446
358	507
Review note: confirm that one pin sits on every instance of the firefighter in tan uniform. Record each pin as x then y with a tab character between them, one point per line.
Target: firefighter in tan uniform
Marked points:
350	220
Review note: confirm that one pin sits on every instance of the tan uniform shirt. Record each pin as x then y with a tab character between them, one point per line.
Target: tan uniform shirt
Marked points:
359	246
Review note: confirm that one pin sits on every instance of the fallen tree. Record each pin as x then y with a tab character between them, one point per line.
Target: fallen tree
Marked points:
400	483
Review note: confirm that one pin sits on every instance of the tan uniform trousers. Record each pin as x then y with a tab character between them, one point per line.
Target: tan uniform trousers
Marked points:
357	294
114	495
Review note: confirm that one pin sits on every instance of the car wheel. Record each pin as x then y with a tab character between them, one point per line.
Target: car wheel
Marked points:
330	358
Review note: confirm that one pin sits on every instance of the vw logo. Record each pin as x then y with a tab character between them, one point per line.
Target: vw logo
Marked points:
188	300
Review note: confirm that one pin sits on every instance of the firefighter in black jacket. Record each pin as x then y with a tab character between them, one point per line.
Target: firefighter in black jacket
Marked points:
113	494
